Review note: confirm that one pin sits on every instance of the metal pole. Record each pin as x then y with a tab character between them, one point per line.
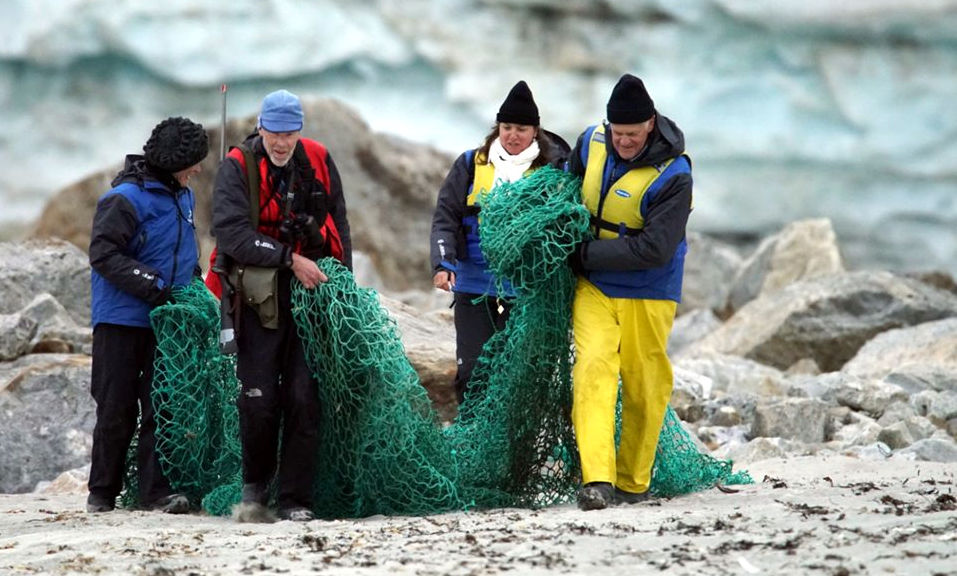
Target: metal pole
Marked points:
222	134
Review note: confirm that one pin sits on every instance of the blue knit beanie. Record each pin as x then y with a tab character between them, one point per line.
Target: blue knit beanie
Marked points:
281	112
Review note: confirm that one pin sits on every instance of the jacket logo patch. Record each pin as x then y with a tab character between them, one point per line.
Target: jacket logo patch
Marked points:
262	244
623	193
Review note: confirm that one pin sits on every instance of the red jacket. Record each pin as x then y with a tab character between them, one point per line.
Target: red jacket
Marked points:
231	222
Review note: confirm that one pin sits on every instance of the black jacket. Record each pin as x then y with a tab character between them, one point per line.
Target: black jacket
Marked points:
666	218
447	240
233	229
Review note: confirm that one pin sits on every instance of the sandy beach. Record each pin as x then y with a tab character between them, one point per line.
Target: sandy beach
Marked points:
804	515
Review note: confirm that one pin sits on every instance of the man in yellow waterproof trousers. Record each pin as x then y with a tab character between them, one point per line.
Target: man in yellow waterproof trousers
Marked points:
637	185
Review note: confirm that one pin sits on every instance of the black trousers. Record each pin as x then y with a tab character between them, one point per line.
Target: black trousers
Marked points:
122	378
278	393
475	323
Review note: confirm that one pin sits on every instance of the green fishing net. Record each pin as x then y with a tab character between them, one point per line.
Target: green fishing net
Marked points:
194	399
383	449
197	420
515	434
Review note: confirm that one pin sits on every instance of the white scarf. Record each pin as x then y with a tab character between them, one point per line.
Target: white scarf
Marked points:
510	168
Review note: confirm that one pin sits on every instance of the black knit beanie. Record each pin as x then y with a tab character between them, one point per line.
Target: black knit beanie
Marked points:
629	102
176	144
519	106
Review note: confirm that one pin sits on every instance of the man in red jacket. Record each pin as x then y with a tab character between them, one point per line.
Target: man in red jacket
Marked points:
301	217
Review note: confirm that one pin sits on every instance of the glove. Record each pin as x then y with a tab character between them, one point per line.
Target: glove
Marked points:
576	260
164	296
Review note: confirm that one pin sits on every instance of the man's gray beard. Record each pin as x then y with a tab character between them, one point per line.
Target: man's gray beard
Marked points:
277	164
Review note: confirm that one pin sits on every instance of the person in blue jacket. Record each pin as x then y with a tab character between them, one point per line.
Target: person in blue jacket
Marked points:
637	185
143	243
515	147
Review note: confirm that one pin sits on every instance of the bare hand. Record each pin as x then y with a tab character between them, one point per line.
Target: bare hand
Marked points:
307	271
444	280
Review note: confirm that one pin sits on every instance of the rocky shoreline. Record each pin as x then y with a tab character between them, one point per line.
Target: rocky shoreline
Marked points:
837	389
814	360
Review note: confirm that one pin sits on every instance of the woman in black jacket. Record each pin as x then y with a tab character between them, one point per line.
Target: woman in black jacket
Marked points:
516	147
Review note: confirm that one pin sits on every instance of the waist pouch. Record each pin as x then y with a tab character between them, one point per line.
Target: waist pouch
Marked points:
260	287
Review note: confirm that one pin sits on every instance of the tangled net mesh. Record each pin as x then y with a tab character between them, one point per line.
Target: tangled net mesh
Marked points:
383	448
194	399
515	435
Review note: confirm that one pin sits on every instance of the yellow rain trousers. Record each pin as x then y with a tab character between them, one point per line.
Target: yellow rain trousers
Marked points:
626	337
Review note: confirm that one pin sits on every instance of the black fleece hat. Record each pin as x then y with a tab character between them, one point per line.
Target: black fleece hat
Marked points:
629	102
176	144
519	106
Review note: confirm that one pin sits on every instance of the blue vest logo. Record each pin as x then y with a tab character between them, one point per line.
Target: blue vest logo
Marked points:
623	193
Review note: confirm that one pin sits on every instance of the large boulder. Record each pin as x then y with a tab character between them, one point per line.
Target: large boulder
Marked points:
733	375
429	342
826	319
46	418
710	267
52	266
792	418
801	250
16	332
390	186
56	331
689	328
923	353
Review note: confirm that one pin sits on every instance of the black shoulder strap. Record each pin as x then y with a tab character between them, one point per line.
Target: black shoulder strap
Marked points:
470	159
316	196
619	228
252	183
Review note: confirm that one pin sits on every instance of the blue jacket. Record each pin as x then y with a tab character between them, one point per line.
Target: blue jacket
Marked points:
647	262
455	238
142	244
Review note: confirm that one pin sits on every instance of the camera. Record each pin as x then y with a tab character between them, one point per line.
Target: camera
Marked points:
302	228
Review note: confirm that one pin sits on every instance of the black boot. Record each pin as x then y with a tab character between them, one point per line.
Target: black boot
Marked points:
172	504
96	503
631	497
596	496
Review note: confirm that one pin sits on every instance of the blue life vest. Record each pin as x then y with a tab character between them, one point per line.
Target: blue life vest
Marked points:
472	275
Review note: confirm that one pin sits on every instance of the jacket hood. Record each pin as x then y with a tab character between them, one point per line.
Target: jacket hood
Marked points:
666	141
135	171
253	140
